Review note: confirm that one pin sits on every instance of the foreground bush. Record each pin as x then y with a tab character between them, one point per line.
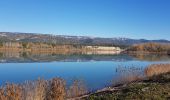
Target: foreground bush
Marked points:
11	92
54	89
76	89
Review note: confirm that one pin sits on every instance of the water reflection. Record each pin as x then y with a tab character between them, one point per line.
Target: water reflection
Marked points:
68	57
151	57
13	56
97	70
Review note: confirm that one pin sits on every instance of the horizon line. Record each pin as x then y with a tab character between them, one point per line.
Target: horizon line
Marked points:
81	35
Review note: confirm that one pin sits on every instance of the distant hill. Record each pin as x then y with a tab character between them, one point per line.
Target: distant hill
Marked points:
63	39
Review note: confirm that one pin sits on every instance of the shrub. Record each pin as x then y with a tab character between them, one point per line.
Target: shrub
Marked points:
76	89
11	92
56	90
35	90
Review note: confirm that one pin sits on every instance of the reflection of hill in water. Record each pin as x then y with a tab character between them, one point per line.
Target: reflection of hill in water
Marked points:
75	56
151	57
48	57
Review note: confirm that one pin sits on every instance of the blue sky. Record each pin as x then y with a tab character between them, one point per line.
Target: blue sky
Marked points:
149	19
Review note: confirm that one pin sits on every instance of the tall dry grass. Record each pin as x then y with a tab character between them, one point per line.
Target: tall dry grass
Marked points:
34	90
156	69
128	74
78	88
54	89
11	92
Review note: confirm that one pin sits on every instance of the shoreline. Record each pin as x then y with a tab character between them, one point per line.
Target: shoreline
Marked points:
157	75
115	92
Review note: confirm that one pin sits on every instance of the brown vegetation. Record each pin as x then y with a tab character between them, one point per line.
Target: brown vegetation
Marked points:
128	74
56	89
40	89
157	69
76	89
11	92
150	47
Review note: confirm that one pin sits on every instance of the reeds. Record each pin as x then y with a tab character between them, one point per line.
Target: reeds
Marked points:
34	90
78	88
54	89
11	92
156	69
128	74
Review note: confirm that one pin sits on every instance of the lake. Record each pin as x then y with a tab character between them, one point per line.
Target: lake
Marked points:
96	71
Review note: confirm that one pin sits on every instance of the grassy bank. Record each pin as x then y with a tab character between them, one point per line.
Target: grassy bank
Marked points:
155	87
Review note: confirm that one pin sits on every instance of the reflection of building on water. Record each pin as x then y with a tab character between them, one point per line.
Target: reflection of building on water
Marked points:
102	52
41	54
3	60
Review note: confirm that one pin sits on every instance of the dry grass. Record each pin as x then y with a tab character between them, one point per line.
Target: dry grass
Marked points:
128	74
157	69
34	90
78	88
54	89
11	92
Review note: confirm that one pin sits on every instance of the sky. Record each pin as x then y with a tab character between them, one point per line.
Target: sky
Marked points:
147	19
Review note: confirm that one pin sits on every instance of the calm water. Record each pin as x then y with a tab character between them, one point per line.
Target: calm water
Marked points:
96	71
